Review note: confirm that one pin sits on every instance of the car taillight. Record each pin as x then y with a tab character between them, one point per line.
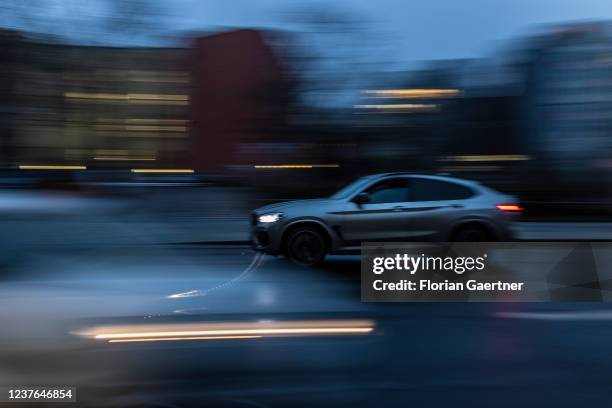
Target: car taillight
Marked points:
509	207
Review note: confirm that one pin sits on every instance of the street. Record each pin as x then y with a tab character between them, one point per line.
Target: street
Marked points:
116	266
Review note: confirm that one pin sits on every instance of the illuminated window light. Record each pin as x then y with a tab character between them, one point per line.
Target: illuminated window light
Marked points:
162	170
412	93
296	166
487	158
400	106
157	97
143	125
50	167
146	121
123	158
155	128
97	95
158	76
130	98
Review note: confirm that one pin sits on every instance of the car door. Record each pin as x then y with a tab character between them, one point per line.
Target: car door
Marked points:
382	218
434	204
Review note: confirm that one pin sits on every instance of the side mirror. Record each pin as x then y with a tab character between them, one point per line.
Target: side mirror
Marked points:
361	198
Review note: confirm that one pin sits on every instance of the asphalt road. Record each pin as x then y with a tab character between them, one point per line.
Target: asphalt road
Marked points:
67	273
423	354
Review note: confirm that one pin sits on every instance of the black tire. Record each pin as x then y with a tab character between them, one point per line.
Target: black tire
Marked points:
472	233
306	246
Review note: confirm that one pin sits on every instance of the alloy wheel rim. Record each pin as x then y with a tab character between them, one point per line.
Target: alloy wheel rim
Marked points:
306	247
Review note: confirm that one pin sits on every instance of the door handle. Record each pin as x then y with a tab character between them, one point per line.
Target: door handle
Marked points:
417	209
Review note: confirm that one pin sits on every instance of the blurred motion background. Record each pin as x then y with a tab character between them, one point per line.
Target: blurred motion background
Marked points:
315	95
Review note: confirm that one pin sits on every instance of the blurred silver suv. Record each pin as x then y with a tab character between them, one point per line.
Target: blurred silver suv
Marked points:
383	207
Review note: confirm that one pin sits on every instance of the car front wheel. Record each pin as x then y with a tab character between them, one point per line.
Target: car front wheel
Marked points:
306	246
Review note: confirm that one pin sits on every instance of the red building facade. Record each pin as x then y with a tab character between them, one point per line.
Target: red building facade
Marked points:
239	92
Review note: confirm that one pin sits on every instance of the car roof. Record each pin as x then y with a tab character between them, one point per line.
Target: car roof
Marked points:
470	183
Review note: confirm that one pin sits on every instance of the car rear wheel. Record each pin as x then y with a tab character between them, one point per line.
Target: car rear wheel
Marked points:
306	246
471	233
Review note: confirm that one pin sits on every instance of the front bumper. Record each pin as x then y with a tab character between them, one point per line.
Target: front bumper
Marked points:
266	237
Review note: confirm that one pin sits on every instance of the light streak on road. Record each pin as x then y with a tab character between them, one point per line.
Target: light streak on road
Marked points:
141	340
255	263
227	330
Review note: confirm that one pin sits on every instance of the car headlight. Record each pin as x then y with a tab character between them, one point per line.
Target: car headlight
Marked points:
269	218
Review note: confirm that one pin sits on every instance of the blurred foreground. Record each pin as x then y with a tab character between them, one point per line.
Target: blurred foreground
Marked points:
178	255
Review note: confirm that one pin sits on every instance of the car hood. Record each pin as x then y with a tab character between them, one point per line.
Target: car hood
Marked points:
285	205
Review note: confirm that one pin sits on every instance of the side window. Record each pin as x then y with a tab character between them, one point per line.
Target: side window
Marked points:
389	191
436	190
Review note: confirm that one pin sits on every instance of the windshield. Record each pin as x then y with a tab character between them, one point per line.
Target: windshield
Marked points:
349	189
